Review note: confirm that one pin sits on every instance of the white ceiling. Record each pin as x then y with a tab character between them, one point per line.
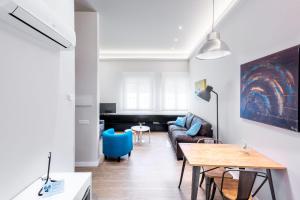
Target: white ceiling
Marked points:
153	28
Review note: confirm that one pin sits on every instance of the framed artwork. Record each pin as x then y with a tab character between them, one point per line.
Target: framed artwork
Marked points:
200	86
270	89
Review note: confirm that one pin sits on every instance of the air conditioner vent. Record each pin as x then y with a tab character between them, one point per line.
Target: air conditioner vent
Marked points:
38	16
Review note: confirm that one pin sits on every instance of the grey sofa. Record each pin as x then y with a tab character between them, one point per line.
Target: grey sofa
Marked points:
178	134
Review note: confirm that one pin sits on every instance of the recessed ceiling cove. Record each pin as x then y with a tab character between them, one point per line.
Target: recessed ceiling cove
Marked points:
153	29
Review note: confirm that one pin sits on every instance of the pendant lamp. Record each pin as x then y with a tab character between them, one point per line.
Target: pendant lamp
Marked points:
214	47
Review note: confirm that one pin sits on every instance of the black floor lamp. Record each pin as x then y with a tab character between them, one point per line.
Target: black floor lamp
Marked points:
206	95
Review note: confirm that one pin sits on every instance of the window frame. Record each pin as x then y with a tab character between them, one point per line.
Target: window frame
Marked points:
173	75
139	76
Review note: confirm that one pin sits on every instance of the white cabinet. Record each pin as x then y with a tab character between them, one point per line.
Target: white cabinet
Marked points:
75	187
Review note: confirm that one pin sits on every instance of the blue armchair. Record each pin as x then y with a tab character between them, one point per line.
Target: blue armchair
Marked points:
117	145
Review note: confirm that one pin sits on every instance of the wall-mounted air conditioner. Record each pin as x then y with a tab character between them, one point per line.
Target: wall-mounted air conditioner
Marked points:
35	15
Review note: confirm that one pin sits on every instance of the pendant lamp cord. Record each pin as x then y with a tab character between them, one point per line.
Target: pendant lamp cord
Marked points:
213	17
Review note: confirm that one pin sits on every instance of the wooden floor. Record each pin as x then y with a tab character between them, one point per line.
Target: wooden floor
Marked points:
152	172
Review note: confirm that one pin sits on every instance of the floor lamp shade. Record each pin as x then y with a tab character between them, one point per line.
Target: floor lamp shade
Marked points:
206	94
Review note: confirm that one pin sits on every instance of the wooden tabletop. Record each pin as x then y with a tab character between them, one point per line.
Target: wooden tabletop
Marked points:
226	155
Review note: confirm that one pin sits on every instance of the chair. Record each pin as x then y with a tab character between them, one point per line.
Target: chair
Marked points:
240	189
210	173
117	145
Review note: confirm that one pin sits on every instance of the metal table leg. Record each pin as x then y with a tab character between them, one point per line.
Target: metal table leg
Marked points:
271	184
195	182
182	171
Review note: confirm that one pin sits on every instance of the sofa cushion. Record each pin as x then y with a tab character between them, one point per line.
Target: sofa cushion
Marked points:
178	134
171	123
175	127
195	120
180	121
195	128
205	129
188	121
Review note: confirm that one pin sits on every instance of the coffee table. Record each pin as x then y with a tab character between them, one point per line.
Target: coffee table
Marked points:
138	131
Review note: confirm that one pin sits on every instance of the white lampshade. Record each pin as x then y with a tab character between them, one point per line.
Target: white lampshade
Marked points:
213	48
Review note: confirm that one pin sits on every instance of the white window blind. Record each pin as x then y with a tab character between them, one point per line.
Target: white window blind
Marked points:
138	91
174	95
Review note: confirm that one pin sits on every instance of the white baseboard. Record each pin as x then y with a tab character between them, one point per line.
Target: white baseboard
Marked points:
87	164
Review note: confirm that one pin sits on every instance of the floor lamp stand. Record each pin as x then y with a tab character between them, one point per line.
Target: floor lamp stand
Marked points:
217	102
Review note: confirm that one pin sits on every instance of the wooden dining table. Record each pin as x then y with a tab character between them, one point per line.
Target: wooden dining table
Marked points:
224	155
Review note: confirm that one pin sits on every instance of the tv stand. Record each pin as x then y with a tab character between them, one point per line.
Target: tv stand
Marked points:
121	122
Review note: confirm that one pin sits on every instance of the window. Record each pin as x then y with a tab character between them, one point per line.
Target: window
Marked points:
138	91
174	88
142	91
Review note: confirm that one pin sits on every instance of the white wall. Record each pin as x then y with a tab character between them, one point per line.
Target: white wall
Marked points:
110	75
87	52
35	115
64	137
253	29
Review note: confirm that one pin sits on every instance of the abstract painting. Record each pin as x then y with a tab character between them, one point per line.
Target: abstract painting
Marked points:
270	89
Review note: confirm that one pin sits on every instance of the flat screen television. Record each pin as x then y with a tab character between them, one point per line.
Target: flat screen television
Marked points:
108	108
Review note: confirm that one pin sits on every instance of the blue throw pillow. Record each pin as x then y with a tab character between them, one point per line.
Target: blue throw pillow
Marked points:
180	121
194	129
